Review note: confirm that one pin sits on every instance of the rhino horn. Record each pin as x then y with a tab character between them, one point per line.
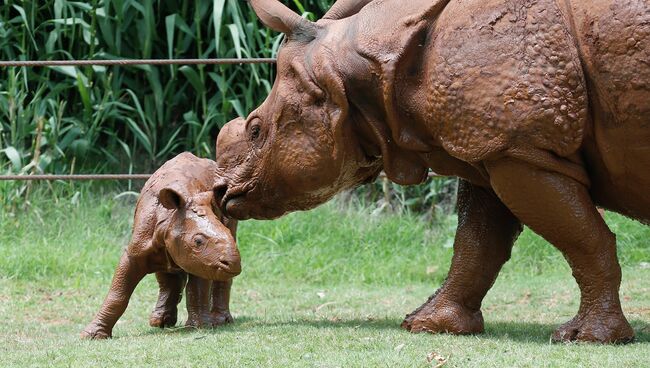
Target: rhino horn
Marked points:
345	8
278	17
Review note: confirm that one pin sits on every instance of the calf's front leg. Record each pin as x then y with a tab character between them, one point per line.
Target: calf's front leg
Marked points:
198	301
484	238
128	274
220	310
208	302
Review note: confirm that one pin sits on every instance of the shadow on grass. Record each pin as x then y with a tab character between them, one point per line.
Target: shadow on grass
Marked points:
541	333
525	332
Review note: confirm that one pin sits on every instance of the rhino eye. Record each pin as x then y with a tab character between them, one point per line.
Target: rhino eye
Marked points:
255	132
199	240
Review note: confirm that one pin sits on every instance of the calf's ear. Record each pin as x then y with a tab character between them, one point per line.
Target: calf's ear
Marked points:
171	199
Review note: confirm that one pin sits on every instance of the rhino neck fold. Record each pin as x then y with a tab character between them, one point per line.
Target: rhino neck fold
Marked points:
382	70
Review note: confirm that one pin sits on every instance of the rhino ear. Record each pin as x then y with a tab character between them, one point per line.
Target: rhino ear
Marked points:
171	199
345	8
278	17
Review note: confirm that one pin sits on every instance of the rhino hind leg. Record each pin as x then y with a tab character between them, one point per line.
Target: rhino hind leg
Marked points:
165	313
484	238
560	209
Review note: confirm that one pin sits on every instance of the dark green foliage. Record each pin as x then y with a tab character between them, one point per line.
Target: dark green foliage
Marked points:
132	119
126	118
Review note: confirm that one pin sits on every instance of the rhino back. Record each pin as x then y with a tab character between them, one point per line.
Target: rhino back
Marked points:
184	170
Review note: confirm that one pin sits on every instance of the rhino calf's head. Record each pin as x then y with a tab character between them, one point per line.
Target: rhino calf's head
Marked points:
196	239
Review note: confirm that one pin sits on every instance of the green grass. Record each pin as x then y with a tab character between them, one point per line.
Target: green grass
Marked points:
324	288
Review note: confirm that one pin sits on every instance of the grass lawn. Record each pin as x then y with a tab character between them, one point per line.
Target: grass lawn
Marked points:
326	288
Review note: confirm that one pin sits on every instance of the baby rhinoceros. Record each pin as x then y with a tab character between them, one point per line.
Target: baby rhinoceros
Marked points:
181	235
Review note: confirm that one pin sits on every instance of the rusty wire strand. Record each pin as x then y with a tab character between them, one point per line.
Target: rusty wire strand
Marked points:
128	62
77	177
108	177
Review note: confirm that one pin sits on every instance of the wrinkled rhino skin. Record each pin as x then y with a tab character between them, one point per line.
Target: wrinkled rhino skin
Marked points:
541	107
180	235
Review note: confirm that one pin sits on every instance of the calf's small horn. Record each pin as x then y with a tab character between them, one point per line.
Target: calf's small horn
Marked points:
278	17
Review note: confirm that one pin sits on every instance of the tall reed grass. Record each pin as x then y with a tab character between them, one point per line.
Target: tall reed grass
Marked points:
128	119
67	119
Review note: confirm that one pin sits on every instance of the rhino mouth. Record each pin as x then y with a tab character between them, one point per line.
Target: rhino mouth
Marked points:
227	267
230	273
233	198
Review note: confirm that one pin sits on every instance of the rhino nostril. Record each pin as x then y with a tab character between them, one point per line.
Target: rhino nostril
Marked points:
230	265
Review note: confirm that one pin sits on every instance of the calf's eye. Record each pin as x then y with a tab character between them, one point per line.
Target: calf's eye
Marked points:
199	241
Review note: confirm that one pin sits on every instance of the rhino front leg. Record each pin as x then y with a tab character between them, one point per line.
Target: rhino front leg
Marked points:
198	302
560	209
484	238
170	293
127	275
220	310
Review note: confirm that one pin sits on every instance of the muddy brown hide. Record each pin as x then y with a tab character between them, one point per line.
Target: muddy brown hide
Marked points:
541	107
180	235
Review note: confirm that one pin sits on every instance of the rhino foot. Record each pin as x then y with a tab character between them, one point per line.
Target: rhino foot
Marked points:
94	332
438	316
604	328
221	318
209	320
163	318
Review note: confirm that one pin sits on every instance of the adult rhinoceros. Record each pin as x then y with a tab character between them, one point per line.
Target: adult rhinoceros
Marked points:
541	107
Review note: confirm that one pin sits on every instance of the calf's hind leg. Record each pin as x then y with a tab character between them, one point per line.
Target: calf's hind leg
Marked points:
560	209
170	293
484	238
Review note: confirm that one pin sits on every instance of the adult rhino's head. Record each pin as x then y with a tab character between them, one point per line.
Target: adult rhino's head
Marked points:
298	148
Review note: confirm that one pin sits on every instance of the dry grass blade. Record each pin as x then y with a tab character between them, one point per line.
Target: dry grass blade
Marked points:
436	359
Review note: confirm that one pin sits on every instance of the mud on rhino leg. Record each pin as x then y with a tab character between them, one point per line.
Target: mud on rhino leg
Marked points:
207	302
198	292
128	274
560	209
171	285
220	310
484	238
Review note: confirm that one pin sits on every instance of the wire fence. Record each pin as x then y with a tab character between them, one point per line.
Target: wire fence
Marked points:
84	177
122	62
78	177
132	62
114	62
